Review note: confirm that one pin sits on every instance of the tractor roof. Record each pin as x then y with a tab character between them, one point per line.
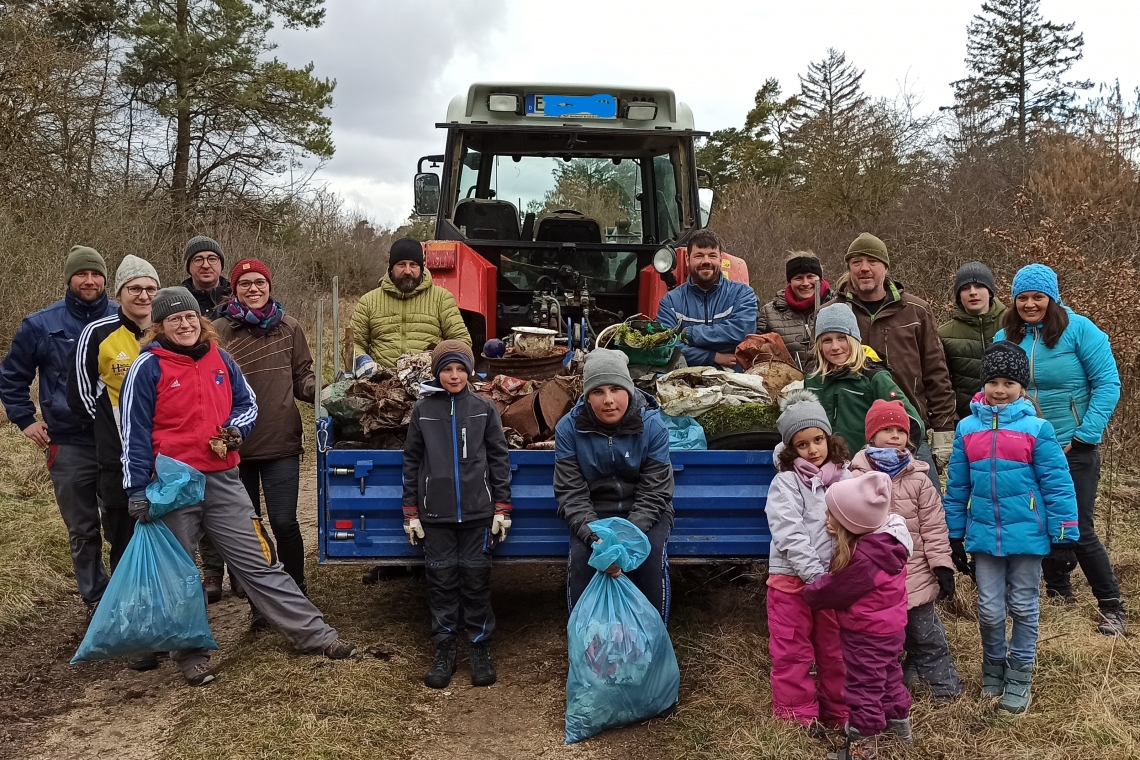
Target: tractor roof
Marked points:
579	105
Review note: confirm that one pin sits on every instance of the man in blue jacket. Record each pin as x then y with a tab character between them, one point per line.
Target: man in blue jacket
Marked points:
43	344
713	313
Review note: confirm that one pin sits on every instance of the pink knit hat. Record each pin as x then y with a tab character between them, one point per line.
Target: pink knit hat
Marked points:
862	504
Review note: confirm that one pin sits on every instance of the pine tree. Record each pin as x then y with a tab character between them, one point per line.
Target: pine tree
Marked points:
757	152
1016	62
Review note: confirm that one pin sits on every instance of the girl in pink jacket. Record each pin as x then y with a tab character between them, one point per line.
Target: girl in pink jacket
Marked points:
930	571
866	586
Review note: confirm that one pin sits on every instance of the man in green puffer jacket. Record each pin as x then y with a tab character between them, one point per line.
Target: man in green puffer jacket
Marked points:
407	313
977	316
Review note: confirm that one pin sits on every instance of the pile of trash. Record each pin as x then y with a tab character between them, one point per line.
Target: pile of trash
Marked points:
531	408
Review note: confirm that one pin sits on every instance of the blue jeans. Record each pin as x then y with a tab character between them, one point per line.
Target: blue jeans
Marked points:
1008	585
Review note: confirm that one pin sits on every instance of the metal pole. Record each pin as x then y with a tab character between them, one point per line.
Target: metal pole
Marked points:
336	328
320	373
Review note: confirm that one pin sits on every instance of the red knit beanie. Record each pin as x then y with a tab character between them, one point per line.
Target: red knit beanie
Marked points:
245	266
884	414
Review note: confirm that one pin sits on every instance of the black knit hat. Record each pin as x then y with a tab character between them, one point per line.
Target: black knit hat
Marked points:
203	243
406	249
974	273
802	262
1008	360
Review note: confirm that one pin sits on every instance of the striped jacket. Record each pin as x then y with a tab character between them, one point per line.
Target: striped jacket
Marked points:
106	349
714	320
1009	489
173	405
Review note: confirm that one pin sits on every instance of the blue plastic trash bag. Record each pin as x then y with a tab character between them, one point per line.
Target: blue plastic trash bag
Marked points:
154	601
176	485
622	665
685	433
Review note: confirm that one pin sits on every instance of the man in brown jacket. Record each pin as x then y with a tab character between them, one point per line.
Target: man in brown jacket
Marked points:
901	330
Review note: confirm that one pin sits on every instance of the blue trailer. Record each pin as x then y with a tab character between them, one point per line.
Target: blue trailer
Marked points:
718	501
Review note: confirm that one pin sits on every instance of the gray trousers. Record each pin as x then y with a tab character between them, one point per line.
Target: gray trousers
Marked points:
227	517
74	475
928	652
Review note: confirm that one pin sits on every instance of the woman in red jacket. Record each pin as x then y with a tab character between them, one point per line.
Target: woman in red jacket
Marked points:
188	400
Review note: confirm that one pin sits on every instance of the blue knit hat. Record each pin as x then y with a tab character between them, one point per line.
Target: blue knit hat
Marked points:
1039	278
837	318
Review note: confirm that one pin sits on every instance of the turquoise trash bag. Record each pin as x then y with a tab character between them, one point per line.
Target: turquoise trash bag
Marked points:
154	601
685	433
622	665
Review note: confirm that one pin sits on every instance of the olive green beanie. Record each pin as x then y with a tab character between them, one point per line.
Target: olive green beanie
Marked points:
868	245
83	258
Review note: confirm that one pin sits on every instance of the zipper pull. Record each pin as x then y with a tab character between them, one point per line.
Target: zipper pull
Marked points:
464	436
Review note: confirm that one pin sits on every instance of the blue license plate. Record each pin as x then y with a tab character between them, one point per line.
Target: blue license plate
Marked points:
577	106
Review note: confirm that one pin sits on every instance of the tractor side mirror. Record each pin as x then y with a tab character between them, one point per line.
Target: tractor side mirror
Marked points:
426	191
705	195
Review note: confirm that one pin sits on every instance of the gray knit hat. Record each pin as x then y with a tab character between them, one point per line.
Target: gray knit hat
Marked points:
837	317
171	301
82	258
974	273
800	410
606	367
203	243
132	267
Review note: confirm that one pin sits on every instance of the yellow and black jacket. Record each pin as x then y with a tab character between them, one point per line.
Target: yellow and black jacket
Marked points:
106	349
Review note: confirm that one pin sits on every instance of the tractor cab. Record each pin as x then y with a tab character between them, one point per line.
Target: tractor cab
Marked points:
561	206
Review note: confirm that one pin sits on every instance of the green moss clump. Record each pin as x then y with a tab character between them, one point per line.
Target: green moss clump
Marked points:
630	336
735	419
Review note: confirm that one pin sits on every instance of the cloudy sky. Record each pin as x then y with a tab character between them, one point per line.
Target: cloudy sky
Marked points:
399	62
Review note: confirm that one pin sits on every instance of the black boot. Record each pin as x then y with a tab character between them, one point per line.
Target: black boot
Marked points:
482	668
443	666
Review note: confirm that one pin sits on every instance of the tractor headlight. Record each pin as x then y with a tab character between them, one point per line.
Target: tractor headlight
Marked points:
664	260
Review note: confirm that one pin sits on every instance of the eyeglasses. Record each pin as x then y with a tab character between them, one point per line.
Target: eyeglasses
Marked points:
138	290
177	319
203	260
247	284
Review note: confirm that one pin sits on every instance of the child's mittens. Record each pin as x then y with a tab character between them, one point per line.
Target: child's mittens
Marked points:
1063	558
946	588
959	557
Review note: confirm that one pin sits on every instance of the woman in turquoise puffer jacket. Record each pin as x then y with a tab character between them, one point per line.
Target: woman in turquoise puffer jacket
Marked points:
1074	380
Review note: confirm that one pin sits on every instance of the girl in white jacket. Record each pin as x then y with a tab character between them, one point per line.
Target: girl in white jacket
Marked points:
811	460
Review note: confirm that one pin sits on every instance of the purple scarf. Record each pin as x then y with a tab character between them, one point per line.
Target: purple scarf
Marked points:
263	319
828	474
890	461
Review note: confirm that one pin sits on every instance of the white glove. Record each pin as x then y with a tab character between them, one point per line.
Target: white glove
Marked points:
942	446
414	530
499	527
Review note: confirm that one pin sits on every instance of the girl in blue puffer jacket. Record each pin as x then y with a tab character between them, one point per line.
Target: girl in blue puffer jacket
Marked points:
1074	380
1010	501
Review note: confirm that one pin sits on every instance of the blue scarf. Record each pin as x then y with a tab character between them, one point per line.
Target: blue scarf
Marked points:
263	319
890	461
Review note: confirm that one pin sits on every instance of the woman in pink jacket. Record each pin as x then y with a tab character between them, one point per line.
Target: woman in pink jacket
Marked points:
930	571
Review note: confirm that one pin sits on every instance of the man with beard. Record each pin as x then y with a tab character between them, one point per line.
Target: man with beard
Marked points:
713	313
407	313
204	262
901	330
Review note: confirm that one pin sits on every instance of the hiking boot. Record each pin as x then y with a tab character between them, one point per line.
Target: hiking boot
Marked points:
212	585
1113	621
258	621
857	747
235	586
443	666
1060	599
901	729
482	668
142	662
199	675
372	577
340	650
816	730
1017	697
89	609
910	676
993	679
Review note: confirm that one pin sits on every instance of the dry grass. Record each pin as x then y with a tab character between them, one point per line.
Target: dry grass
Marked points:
35	566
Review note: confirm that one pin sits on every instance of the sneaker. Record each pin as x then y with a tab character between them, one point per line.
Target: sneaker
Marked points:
482	668
443	666
212	585
857	747
340	650
142	662
1018	695
901	729
1113	621
199	675
993	679
257	621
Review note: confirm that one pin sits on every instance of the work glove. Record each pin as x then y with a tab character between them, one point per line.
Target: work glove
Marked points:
501	522
942	446
414	529
232	437
959	557
946	587
1062	558
139	508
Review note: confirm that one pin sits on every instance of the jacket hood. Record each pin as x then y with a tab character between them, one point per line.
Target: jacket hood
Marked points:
633	423
885	550
390	288
995	314
1012	412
